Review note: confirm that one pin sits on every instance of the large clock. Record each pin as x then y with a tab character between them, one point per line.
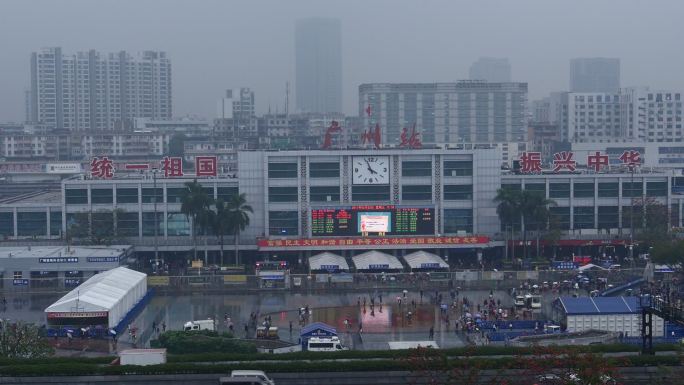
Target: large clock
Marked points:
370	170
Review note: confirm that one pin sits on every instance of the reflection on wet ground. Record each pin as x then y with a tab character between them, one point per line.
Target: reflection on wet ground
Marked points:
381	323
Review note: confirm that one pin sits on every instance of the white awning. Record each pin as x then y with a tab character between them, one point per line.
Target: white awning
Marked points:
114	291
424	260
375	260
328	261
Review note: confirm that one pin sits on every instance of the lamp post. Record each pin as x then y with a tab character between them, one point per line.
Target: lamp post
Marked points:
631	215
156	220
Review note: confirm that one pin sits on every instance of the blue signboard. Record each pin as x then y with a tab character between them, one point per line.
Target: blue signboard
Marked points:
379	266
562	265
72	282
58	260
20	282
429	265
272	277
102	259
330	267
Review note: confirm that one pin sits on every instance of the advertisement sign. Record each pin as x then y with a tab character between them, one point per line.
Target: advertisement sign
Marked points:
234	279
374	222
564	265
58	260
20	282
80	314
473	241
342	278
378	266
63	168
157	281
429	265
72	282
330	267
197	264
102	259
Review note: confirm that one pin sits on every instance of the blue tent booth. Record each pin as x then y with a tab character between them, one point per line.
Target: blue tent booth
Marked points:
316	329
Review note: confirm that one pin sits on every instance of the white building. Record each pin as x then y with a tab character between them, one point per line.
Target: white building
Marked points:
96	91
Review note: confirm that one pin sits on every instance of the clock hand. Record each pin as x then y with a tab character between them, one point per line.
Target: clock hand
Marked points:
369	167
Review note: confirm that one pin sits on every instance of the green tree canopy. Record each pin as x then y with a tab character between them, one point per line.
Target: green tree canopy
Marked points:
23	340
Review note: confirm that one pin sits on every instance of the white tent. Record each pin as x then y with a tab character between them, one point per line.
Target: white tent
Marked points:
375	260
424	260
114	291
328	261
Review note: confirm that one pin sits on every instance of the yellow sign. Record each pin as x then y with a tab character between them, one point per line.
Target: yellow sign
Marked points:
197	263
234	279
158	281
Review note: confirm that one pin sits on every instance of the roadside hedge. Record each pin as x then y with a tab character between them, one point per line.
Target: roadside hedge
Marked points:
203	341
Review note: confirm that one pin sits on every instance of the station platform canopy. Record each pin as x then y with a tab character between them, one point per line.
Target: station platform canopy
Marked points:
328	262
424	260
375	260
108	295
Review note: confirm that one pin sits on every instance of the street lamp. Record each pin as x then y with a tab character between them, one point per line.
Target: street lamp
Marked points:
156	220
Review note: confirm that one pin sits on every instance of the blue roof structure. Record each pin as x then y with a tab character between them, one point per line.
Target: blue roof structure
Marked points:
317	329
598	305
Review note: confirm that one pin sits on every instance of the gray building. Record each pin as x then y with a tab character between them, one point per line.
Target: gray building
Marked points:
318	62
594	75
465	111
97	91
491	69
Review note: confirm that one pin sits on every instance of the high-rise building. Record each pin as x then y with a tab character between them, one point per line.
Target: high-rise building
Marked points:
491	69
318	62
236	118
594	75
96	91
465	111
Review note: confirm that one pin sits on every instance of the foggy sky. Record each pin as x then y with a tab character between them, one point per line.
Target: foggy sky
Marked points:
219	44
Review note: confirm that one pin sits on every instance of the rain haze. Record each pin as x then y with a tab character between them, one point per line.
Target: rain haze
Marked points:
215	45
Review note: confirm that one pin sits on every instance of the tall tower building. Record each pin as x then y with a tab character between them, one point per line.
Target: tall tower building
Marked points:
318	62
95	91
491	69
594	74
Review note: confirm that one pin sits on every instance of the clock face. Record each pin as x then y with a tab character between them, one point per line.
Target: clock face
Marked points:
370	170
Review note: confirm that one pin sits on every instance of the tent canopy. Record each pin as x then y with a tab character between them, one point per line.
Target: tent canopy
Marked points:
328	261
114	291
424	260
599	305
590	266
375	260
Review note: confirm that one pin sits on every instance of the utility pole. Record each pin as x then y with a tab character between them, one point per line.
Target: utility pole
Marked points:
631	217
156	220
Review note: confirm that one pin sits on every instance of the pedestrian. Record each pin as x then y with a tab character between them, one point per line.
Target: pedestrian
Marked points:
154	325
431	334
290	327
358	302
380	298
163	326
360	327
246	330
421	295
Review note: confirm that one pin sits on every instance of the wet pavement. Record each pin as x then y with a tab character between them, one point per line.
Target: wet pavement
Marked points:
381	323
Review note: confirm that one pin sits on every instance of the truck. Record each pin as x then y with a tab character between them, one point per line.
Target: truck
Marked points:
252	377
325	344
142	357
206	324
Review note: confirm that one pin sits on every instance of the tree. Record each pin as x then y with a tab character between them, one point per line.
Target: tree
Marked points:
668	252
22	340
650	222
238	218
195	204
523	207
219	222
96	228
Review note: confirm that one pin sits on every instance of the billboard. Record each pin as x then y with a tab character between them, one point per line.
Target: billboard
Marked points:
374	222
63	168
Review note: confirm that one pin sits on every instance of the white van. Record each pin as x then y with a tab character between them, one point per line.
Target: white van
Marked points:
250	375
324	344
206	324
535	302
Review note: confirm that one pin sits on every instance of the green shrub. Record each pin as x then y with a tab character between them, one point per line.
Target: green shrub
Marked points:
203	341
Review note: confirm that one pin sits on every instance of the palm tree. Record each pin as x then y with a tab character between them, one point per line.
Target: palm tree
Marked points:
238	218
522	207
219	222
195	204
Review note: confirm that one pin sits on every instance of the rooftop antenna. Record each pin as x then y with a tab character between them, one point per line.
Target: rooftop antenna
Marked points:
287	98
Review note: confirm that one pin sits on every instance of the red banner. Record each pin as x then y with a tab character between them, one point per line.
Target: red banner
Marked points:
370	242
79	314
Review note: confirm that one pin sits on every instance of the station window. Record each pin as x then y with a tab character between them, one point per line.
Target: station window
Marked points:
608	190
458	192
583	190
656	189
282	194
416	168
76	196
148	224
458	168
7	224
282	170
31	224
127	224
226	193
370	193
456	220
632	190
608	217
18	274
173	195
283	223
416	192
127	195
324	170
149	193
511	186
583	217
177	224
538	187
101	195
632	216
559	190
55	223
561	216
324	193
